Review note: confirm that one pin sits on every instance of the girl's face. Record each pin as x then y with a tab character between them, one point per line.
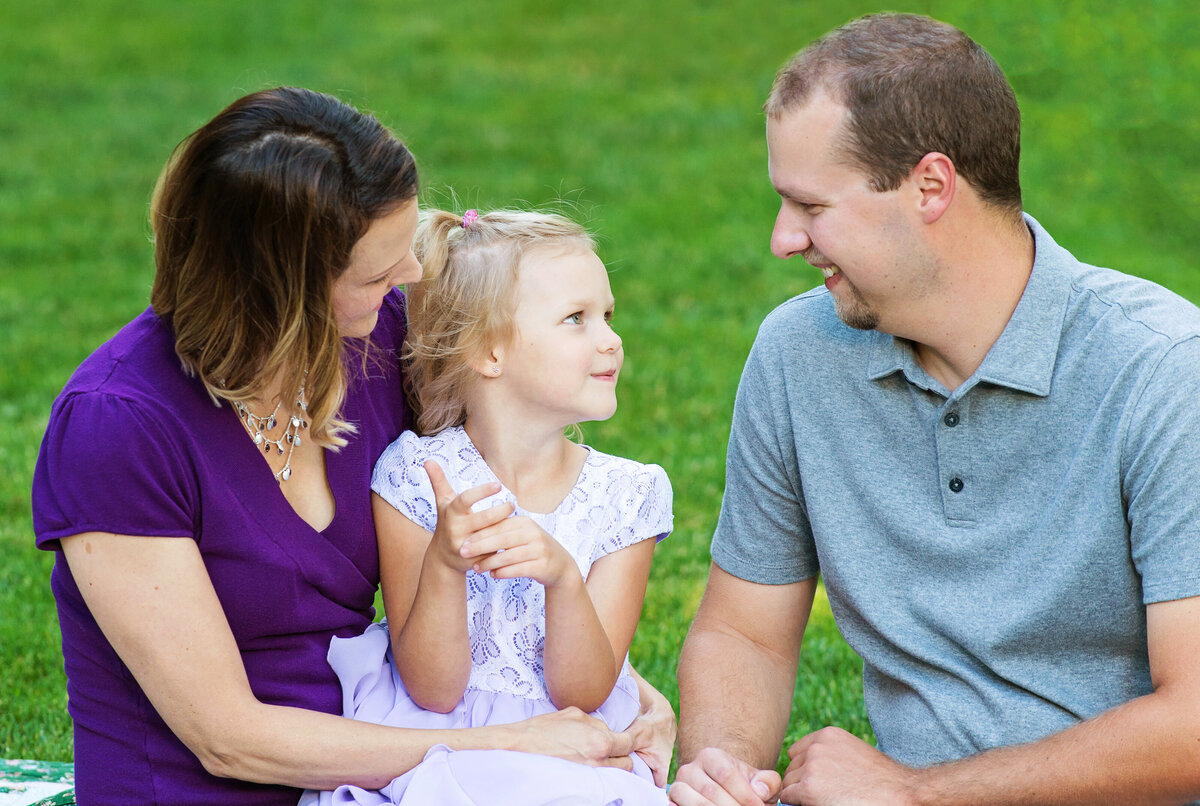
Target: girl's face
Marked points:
564	358
381	260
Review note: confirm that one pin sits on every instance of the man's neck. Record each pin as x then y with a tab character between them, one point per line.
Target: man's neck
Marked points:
990	266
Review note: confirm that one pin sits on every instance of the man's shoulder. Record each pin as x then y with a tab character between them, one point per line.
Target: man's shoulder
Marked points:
1134	304
1126	305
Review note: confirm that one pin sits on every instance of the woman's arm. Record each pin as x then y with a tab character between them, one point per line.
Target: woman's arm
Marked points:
153	599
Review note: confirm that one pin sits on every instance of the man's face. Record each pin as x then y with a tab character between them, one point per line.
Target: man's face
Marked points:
860	239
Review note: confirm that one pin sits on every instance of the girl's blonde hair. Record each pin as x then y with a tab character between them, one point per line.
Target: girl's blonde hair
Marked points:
465	302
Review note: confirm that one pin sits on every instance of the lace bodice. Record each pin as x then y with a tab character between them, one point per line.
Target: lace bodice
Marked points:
615	503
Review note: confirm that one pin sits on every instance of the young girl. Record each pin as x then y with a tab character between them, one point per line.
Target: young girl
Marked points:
513	560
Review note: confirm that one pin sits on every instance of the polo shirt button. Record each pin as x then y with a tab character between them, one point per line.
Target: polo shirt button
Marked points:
956	485
951	419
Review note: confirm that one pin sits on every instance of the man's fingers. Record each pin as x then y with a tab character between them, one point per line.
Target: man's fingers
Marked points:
682	793
719	779
766	784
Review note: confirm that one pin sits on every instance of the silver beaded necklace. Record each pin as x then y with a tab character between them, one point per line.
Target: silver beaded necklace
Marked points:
260	426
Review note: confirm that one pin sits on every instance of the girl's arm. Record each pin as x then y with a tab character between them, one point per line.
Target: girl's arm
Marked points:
425	602
583	665
153	600
424	590
588	626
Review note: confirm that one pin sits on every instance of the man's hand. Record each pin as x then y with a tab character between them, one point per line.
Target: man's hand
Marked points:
715	778
832	766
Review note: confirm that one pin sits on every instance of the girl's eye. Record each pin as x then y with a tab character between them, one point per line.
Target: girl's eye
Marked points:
608	315
575	319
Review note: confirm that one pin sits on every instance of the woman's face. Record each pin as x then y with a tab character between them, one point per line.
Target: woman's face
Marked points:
382	258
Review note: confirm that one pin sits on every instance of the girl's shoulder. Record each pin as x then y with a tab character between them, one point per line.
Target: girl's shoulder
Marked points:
402	464
624	501
609	468
626	484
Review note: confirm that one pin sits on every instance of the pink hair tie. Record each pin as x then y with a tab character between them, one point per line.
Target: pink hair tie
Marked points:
469	218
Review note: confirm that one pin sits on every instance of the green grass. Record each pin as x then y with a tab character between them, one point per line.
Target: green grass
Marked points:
644	115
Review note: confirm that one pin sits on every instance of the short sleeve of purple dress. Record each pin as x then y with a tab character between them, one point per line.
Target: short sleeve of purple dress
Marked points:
135	446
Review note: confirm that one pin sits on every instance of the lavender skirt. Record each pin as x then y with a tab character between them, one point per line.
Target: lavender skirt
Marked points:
373	692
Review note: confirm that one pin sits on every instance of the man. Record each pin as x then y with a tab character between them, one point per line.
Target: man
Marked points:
990	451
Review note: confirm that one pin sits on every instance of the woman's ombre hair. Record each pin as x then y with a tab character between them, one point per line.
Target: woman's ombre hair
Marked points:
254	218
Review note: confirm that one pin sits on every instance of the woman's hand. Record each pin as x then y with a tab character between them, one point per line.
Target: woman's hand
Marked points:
573	735
653	731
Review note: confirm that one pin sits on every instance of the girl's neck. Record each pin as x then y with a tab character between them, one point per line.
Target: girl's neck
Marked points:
538	466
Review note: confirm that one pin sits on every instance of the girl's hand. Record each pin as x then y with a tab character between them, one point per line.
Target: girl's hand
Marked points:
518	547
456	523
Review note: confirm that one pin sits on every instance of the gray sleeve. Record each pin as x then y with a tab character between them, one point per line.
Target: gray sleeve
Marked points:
1161	476
763	534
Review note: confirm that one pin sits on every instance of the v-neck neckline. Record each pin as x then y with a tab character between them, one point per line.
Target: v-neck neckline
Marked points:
256	485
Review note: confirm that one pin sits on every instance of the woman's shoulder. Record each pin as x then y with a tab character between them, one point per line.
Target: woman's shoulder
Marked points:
137	369
135	351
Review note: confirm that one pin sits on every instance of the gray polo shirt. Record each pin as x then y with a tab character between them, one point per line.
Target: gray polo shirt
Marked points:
989	553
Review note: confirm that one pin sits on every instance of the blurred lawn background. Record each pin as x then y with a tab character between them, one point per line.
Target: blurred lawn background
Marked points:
644	116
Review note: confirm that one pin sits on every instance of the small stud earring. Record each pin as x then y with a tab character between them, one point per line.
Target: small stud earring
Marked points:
495	370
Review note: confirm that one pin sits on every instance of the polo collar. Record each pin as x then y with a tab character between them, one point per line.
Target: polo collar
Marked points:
1023	357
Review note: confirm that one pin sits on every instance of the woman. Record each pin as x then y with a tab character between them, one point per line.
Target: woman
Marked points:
205	477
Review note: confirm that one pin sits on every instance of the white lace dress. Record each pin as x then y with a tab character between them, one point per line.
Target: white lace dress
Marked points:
615	503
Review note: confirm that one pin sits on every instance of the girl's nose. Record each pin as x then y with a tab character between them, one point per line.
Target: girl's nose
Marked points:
611	341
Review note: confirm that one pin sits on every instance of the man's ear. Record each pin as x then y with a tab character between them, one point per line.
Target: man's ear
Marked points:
934	178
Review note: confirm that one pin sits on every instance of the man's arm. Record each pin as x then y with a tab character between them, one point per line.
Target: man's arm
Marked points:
737	673
1145	751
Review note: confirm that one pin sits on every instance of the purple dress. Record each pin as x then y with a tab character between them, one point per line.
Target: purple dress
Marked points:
135	446
614	504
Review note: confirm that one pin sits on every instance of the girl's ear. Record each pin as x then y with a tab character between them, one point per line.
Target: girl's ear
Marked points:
489	364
